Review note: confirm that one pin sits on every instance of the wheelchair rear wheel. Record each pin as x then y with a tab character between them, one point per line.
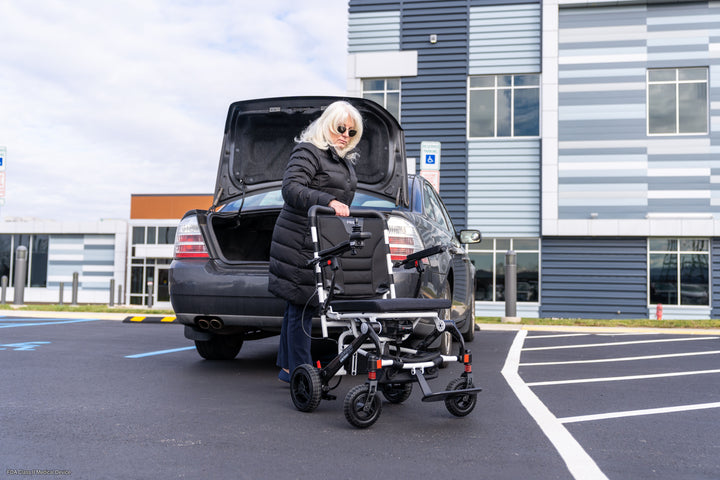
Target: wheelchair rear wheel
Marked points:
358	411
305	388
397	392
461	404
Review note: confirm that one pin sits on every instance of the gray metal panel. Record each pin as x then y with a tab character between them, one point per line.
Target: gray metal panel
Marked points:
374	31
603	56
594	277
504	187
505	39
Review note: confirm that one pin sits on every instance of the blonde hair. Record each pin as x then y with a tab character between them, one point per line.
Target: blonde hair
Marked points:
318	132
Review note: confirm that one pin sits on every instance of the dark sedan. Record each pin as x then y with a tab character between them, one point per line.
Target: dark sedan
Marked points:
219	276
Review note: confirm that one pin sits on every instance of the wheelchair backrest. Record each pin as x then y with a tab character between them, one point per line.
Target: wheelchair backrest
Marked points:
364	272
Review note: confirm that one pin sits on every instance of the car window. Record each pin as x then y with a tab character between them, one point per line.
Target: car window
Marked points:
433	207
273	198
365	200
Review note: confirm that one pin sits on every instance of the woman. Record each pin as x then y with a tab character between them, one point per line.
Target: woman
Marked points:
320	172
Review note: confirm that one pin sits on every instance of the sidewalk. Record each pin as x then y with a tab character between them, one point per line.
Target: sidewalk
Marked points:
483	326
580	329
51	314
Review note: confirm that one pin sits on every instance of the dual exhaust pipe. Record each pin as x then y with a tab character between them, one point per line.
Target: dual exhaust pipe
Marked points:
209	323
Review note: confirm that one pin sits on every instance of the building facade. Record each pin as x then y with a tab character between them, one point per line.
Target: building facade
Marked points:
583	136
131	258
58	253
152	228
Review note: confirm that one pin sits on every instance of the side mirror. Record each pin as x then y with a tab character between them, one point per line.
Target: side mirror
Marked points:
470	236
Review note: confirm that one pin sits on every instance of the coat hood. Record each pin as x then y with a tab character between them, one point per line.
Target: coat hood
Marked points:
260	136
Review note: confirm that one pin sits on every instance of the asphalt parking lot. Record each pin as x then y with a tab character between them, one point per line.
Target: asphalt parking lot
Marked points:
95	398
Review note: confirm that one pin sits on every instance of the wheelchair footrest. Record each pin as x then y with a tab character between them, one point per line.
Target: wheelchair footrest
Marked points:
439	396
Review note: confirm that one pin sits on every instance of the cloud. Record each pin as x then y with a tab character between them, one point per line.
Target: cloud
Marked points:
104	99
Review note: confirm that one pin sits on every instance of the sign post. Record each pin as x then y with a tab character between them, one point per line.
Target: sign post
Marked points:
3	162
430	162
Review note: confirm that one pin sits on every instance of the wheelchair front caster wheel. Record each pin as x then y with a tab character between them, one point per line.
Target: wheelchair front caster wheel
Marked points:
305	388
461	404
358	411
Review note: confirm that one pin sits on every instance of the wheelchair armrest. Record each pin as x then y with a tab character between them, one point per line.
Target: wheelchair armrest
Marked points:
409	262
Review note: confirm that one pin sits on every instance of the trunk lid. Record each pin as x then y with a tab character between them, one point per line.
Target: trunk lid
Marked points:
260	135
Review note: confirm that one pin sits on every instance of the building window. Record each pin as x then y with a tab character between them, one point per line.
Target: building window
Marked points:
37	258
153	235
677	100
489	260
679	271
385	92
504	106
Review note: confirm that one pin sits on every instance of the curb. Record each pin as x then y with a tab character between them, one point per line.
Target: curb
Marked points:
503	327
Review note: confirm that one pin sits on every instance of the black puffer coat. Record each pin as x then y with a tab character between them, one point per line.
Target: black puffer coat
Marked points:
312	177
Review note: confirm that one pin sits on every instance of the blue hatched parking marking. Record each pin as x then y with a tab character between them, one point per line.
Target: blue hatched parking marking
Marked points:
23	322
22	347
159	352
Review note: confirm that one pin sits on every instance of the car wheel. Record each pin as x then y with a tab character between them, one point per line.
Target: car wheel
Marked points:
446	340
469	333
219	347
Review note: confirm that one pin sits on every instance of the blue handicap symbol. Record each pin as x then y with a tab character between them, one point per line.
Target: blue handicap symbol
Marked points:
430	159
22	347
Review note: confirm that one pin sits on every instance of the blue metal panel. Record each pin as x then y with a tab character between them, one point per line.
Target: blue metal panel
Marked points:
594	278
715	268
434	102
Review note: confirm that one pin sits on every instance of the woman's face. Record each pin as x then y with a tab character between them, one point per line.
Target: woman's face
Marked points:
340	135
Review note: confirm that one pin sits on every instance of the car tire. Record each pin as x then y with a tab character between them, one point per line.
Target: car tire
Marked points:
446	340
469	333
219	347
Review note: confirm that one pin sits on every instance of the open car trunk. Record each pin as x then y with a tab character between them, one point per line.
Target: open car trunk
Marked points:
244	238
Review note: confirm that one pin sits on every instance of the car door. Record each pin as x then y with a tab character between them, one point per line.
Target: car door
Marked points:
462	269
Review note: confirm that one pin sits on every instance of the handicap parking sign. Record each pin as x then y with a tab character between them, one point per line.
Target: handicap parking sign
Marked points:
430	155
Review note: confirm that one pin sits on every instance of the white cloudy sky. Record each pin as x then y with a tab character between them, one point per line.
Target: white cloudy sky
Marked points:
101	99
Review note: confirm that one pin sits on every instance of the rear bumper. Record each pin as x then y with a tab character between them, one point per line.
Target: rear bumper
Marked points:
201	289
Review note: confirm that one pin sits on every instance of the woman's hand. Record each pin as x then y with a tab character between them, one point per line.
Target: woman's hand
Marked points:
341	210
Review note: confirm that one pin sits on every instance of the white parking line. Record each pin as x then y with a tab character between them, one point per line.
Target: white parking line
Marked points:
579	463
559	335
615	344
633	413
615	379
621	359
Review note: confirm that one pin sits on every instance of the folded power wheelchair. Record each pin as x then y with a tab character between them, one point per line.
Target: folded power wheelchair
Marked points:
358	306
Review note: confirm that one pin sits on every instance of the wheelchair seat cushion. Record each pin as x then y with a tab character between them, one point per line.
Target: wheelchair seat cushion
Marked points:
382	305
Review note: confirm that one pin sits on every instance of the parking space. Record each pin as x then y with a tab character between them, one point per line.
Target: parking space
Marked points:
112	399
107	399
636	405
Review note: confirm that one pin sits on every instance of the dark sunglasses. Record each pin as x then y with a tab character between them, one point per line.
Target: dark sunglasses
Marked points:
341	129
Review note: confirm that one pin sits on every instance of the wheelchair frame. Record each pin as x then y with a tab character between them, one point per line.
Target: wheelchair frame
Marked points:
376	328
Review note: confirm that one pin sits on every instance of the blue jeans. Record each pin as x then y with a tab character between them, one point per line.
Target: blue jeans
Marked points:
294	348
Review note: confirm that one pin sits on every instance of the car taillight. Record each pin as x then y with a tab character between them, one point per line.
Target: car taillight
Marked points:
404	238
189	242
